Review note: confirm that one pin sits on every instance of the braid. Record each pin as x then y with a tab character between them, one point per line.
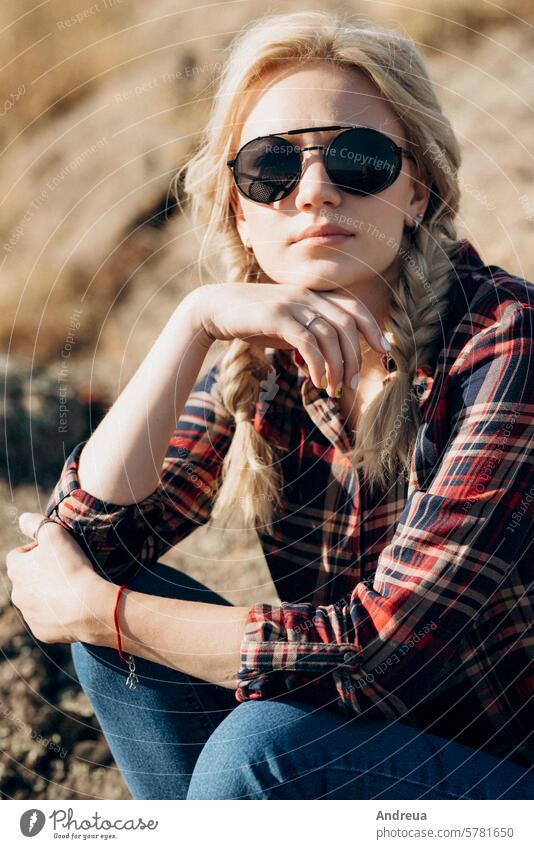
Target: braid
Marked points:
249	478
416	320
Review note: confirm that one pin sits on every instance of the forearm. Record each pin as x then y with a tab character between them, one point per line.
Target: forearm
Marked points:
121	463
202	640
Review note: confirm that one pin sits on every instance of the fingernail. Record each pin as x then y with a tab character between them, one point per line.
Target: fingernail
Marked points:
385	344
338	392
324	381
299	359
354	381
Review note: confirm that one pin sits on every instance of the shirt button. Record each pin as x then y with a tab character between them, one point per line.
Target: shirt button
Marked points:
350	658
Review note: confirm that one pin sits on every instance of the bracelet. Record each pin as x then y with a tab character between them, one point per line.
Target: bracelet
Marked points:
132	679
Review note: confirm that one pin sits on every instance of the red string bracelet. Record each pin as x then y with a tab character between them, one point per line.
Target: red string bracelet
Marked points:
132	679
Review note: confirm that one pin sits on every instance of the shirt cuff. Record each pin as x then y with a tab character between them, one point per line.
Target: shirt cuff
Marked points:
282	650
114	536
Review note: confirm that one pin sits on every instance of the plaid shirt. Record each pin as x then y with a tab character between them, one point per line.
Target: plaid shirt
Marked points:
413	603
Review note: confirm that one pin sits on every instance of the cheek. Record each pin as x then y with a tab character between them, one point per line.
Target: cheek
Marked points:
382	219
269	236
265	229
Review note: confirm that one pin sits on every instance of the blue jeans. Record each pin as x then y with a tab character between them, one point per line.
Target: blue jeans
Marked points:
177	737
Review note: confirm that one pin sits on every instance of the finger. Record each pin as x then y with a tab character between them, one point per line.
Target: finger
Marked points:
327	355
329	339
307	343
349	340
29	522
365	320
14	558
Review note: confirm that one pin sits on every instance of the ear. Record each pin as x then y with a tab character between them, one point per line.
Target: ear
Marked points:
239	215
418	199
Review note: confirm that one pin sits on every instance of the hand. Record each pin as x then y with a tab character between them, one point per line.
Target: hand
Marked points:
273	315
54	584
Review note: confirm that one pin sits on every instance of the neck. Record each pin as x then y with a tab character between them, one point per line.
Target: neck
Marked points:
375	288
376	294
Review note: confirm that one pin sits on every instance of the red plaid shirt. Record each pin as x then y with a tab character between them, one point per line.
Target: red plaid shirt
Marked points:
414	603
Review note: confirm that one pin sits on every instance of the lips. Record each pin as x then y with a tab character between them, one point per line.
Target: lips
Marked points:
322	232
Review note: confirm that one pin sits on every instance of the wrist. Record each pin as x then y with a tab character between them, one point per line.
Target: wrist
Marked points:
97	626
192	307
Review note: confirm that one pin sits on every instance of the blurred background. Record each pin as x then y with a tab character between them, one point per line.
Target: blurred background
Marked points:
99	104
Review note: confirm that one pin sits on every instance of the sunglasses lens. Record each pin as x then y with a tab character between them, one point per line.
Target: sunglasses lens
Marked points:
362	161
267	169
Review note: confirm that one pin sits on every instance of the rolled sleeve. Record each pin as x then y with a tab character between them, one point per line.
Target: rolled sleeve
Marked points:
120	539
288	646
384	648
117	538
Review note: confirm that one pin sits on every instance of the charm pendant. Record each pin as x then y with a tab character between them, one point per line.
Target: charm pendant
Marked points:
132	679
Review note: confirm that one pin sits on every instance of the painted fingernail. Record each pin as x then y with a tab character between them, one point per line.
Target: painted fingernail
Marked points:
338	392
299	359
324	381
385	343
354	381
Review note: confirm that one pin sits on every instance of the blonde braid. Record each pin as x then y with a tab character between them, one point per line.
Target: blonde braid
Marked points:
416	323
250	480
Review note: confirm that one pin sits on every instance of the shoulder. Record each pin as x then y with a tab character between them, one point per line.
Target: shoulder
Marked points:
488	305
206	397
208	380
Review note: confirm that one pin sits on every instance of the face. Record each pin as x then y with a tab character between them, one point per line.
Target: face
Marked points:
365	262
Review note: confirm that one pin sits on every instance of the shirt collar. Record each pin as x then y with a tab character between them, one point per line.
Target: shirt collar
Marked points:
321	408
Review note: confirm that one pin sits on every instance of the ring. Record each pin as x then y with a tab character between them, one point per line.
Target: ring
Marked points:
314	316
39	526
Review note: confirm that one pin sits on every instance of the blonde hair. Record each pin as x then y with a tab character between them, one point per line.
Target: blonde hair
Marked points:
383	438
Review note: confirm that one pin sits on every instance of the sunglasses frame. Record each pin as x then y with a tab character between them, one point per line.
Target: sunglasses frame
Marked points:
397	150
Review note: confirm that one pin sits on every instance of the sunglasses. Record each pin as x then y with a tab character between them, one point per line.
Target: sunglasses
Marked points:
359	160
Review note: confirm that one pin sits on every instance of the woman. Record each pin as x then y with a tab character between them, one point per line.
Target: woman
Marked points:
387	480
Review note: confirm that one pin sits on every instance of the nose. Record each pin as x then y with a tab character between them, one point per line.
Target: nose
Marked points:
315	187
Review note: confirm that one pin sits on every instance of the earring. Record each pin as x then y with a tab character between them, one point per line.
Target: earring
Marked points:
418	218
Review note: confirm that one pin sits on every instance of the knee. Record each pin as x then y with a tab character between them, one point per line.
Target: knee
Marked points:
244	757
96	667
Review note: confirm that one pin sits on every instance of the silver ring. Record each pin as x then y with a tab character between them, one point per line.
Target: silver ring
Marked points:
314	316
40	525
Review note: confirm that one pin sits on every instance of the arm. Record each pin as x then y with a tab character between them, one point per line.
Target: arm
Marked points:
119	538
199	639
74	604
450	552
122	460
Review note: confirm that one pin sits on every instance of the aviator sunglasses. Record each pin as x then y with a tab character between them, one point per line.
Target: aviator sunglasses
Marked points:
359	160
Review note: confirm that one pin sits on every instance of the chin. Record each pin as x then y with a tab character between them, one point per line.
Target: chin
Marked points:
323	286
330	280
306	282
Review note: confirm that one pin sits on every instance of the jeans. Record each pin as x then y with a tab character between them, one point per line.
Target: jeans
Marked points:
178	737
